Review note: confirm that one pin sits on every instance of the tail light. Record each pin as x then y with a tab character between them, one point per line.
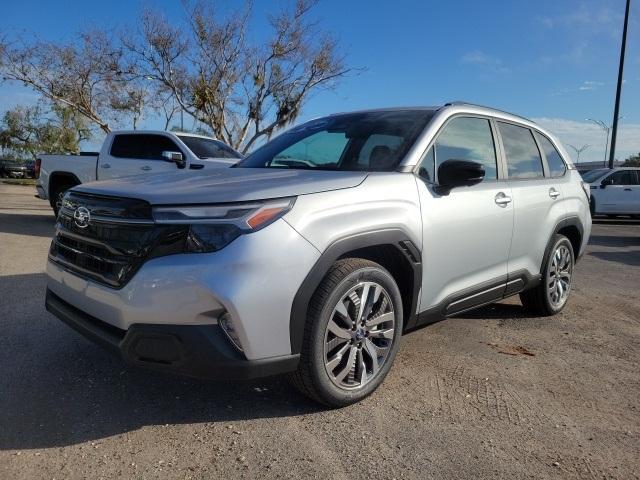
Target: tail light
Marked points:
36	169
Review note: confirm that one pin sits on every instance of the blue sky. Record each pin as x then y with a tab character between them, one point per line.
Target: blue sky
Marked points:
553	61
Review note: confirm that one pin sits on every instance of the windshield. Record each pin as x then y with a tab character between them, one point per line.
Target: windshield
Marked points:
593	175
208	148
368	141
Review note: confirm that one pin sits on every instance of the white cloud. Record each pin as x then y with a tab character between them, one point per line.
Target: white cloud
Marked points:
485	61
590	16
590	85
586	133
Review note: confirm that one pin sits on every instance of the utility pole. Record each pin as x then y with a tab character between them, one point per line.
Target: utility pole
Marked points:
616	112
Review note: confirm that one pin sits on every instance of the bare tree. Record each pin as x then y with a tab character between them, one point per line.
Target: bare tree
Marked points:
242	92
164	102
85	76
206	68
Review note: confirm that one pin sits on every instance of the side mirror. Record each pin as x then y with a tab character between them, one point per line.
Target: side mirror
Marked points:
175	157
458	173
605	182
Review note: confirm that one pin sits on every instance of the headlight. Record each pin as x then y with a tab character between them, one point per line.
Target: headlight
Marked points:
212	227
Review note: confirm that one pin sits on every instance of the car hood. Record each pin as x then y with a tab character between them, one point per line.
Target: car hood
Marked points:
223	185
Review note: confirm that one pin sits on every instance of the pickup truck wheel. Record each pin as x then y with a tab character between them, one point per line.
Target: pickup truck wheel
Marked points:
57	194
352	333
551	295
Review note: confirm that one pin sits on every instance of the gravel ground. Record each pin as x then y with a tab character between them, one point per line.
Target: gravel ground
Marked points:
495	393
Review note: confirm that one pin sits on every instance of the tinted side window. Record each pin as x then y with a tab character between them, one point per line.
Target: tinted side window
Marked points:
523	157
622	177
142	146
557	166
466	138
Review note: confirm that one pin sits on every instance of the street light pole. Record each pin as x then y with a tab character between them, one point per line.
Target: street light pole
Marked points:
616	112
607	129
579	151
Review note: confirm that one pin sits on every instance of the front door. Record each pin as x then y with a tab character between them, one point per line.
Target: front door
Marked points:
467	233
619	192
136	154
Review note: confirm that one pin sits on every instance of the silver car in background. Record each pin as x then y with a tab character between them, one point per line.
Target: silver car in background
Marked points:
315	254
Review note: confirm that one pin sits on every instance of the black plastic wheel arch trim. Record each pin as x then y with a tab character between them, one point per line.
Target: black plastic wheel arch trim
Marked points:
566	222
378	238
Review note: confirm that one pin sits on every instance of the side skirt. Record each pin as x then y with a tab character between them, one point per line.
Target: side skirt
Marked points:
477	296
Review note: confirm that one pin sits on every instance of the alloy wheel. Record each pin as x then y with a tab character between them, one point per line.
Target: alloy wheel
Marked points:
359	335
559	276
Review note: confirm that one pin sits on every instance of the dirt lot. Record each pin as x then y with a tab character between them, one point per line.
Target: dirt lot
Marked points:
495	393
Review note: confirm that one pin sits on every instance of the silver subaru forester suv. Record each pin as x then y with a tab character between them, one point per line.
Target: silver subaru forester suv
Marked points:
315	254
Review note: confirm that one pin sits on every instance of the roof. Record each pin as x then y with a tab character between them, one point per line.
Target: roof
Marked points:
162	132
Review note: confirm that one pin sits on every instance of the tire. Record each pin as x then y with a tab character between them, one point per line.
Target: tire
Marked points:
551	295
56	196
325	356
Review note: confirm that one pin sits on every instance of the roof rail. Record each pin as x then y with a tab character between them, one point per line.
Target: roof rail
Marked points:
462	102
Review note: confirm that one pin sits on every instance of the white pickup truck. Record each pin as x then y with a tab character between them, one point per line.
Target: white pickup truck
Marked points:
130	152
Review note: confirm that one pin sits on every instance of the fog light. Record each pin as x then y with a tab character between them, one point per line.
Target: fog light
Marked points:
226	322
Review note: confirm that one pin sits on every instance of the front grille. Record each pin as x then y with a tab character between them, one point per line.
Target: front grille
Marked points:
118	239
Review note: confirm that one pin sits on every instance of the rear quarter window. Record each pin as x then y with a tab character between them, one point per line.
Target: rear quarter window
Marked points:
556	165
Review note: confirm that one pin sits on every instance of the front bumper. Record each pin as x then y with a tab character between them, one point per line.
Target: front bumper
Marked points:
254	279
200	351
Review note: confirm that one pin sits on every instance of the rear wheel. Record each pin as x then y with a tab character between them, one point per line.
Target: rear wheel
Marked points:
551	295
352	333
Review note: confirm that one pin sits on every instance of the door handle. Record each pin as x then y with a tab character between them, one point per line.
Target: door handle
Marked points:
627	190
105	165
502	199
146	168
553	193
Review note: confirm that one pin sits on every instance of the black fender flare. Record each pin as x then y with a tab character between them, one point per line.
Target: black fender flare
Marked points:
387	237
572	221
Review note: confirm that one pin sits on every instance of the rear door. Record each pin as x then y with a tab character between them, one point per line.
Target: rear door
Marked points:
467	233
136	154
537	198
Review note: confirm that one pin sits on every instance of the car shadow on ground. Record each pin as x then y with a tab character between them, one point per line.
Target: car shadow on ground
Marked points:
58	389
629	257
497	311
38	225
599	220
626	258
614	241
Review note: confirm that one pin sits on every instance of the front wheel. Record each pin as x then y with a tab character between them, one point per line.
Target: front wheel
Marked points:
57	195
352	333
551	295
